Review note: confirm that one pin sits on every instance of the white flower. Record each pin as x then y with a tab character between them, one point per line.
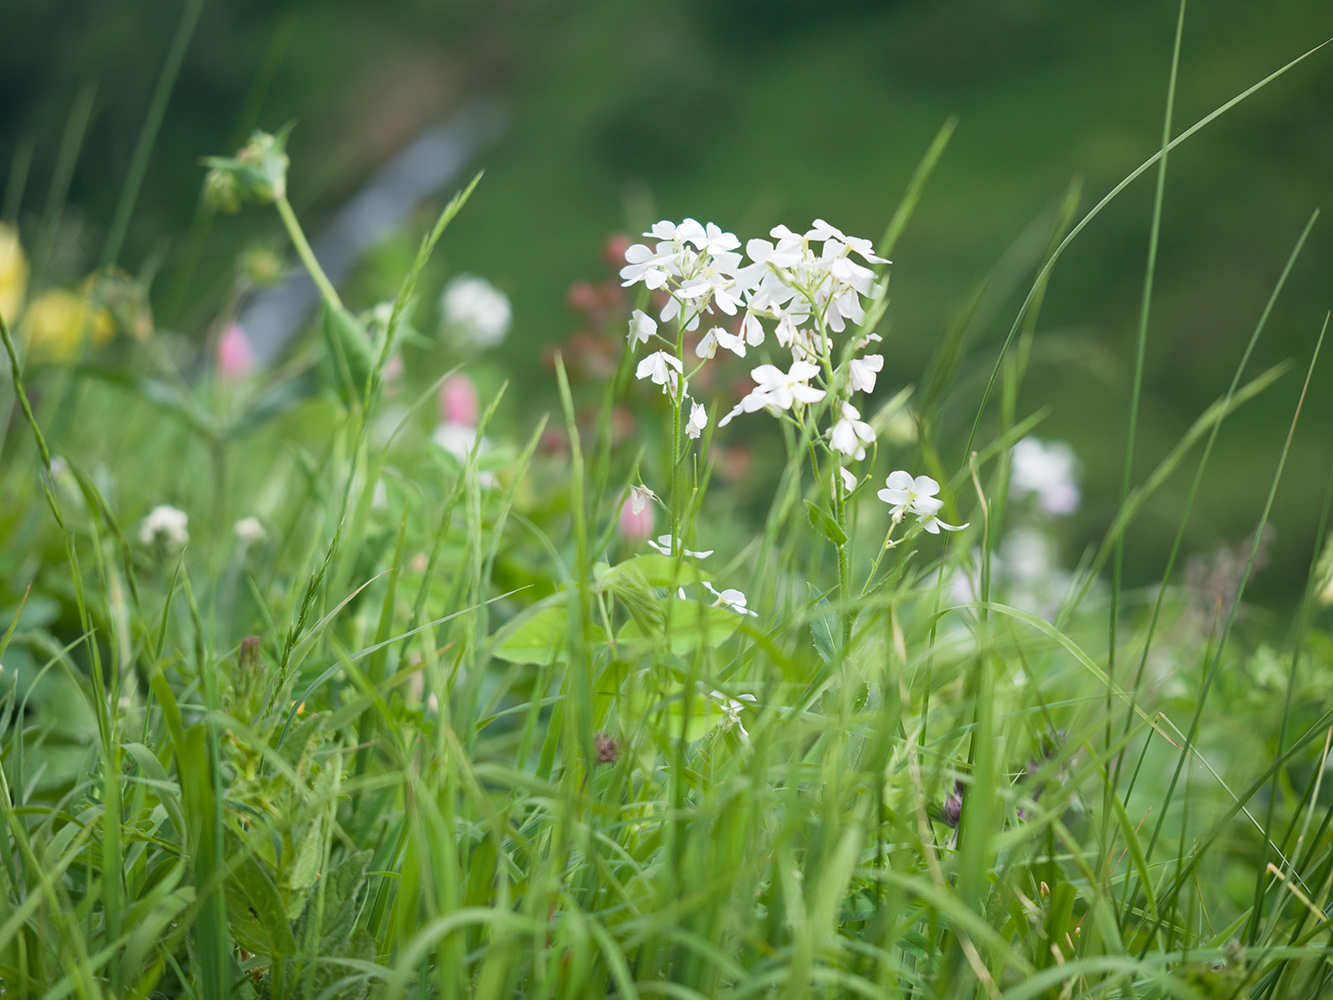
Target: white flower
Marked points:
666	545
862	372
477	309
639	497
697	422
732	708
732	600
659	366
848	479
779	389
249	531
752	331
850	432
1048	470
641	327
906	494
718	337
165	524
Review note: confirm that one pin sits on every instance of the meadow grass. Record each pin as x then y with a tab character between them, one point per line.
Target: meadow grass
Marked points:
436	727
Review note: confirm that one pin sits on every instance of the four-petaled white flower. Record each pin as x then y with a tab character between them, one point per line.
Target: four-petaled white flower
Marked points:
778	389
732	600
668	546
908	494
850	432
697	422
641	327
732	708
166	524
862	371
639	497
718	337
664	370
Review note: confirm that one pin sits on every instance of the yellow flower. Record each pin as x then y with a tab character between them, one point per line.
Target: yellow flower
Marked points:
13	274
54	325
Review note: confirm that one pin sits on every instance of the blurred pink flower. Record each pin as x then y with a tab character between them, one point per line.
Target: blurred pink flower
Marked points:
235	358
636	527
458	400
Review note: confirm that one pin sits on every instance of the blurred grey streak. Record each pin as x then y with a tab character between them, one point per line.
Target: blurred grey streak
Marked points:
423	167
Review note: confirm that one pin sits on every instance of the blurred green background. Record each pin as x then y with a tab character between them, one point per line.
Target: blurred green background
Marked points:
751	112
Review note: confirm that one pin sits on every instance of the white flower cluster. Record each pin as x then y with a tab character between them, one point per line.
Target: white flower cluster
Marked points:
805	286
476	311
1048	471
168	525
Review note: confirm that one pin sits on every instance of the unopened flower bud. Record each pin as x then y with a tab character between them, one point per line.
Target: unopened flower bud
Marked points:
608	750
458	401
222	191
235	358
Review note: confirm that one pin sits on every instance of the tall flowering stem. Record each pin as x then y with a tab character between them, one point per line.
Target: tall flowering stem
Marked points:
797	292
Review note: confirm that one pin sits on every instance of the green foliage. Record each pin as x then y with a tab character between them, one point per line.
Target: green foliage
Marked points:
431	725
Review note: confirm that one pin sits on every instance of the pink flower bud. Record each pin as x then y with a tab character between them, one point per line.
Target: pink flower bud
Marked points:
235	359
638	527
458	401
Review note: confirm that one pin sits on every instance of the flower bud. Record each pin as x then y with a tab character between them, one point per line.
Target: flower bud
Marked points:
222	191
235	359
458	400
636	526
261	266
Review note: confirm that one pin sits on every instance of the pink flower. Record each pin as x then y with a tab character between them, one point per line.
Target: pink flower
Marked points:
636	527
458	401
235	358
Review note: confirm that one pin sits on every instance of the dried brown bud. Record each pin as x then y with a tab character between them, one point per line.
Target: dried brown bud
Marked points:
608	750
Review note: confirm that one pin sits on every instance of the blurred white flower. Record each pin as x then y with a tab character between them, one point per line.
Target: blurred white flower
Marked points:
732	708
458	440
1050	471
165	524
249	531
862	372
779	389
667	545
851	433
697	422
732	600
641	327
477	310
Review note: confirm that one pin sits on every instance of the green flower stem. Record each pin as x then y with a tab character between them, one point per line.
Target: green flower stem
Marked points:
303	251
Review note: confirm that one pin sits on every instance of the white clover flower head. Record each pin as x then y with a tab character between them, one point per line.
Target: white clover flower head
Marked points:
908	494
639	497
663	369
249	530
732	708
731	599
1050	471
861	372
476	310
641	327
166	525
669	546
778	389
694	427
851	433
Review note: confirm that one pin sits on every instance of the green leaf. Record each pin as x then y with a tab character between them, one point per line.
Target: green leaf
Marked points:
660	571
542	638
350	350
825	524
689	626
256	912
825	627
